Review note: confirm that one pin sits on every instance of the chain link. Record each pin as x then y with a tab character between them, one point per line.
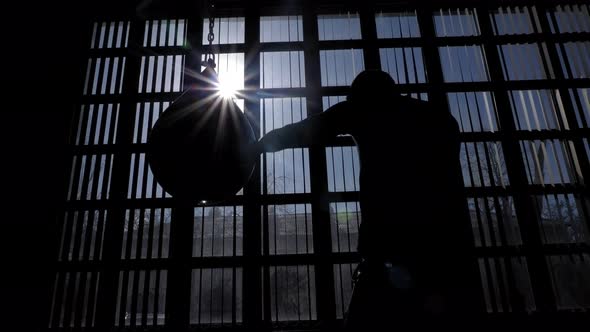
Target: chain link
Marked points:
211	35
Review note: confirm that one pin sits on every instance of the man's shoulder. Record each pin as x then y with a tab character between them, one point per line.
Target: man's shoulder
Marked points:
428	112
425	108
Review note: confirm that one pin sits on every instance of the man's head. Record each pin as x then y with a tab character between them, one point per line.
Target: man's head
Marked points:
372	85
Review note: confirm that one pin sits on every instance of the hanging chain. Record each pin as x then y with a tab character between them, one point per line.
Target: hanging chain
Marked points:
210	60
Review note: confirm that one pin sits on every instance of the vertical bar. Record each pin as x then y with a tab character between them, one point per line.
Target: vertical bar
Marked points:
568	104
107	295
252	273
369	35
324	281
515	167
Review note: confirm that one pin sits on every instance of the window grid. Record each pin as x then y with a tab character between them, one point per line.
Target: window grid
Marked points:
537	110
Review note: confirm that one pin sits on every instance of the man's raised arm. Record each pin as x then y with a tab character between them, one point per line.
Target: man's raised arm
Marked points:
316	129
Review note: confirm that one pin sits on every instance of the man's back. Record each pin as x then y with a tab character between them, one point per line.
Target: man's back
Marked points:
415	224
410	179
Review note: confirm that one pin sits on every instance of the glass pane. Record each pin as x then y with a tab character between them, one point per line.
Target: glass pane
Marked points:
397	25
474	111
227	30
73	302
340	67
281	29
218	231
506	284
463	64
538	110
146	233
551	162
159	33
292	293
515	20
216	296
343	287
494	221
562	218
110	34
90	177
97	124
524	62
456	22
483	164
282	69
571	280
345	219
569	18
405	65
574	59
285	171
339	26
581	103
141	180
289	229
135	307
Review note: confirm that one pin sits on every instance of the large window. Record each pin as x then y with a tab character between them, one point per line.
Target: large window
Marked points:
281	253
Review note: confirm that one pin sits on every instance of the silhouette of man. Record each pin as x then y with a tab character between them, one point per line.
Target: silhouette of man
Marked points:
415	227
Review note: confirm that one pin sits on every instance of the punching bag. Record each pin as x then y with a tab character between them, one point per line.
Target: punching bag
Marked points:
196	148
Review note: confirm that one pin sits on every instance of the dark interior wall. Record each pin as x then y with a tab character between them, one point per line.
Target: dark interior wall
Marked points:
40	74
